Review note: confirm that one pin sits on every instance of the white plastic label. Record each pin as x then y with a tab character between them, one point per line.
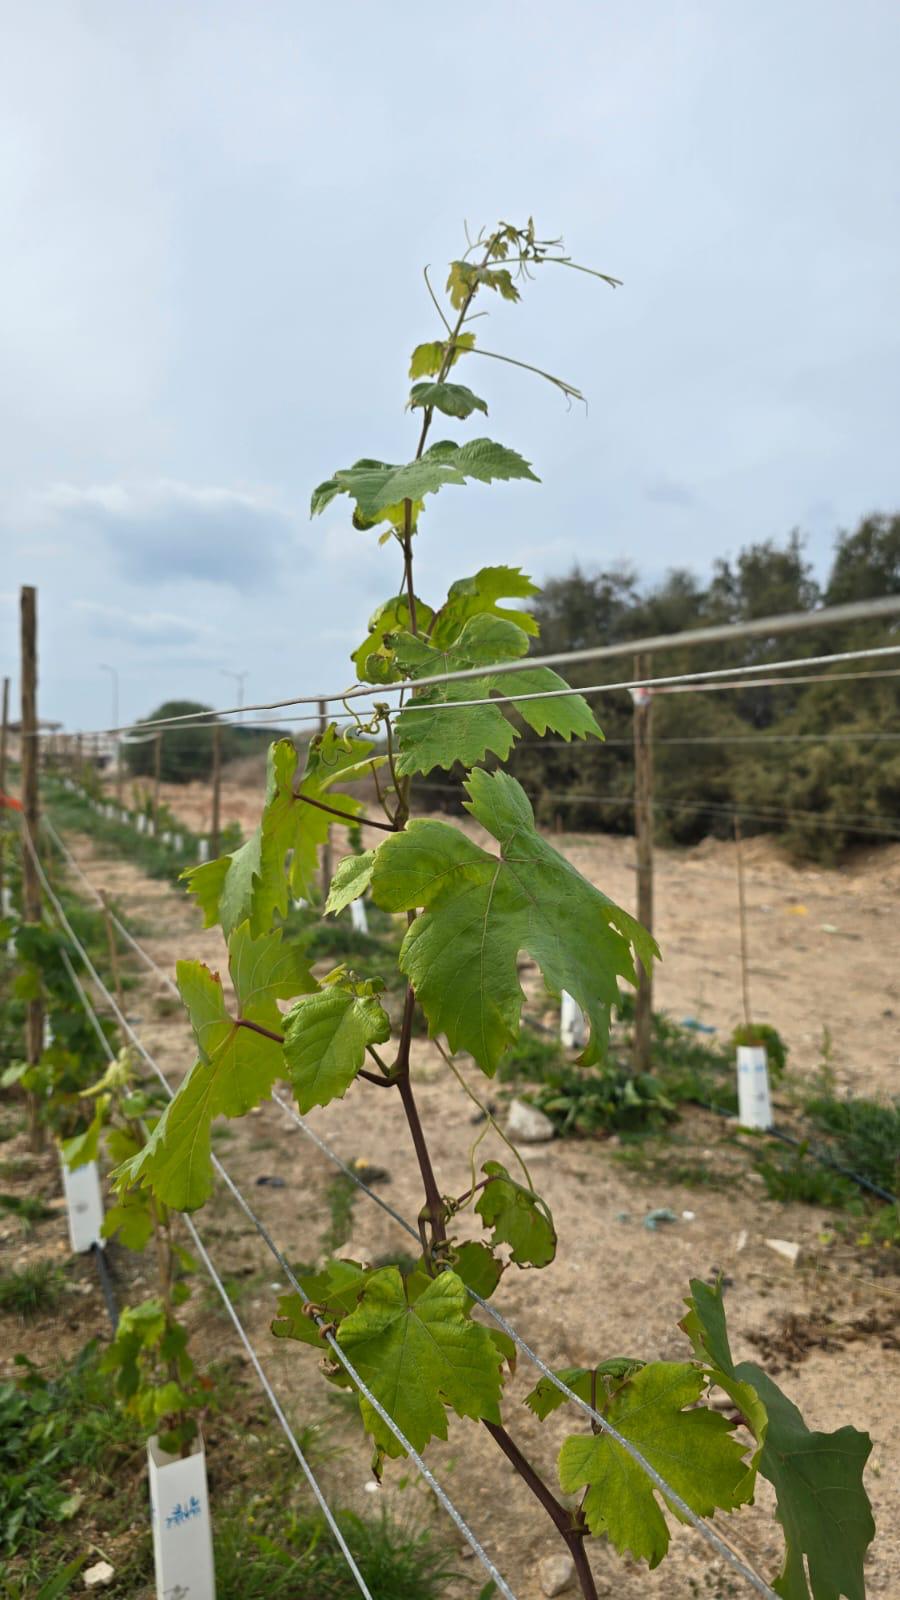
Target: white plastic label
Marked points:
754	1103
358	917
572	1026
84	1206
182	1531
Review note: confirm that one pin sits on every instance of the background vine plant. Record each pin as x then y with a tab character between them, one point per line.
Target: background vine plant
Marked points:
413	1333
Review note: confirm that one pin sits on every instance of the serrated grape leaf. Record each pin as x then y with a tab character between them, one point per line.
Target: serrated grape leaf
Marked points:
470	597
818	1477
130	1221
254	882
478	1267
592	1384
334	1291
416	1359
481	910
375	486
446	728
465	279
236	1068
517	1217
427	359
325	1041
453	399
441	726
694	1451
84	1147
351	879
374	660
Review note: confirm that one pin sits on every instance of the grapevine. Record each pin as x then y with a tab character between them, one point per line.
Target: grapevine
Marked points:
416	1336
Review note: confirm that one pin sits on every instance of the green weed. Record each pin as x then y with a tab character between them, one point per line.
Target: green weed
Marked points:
29	1291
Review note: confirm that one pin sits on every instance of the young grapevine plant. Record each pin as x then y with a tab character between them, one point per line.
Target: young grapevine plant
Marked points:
419	1341
155	1376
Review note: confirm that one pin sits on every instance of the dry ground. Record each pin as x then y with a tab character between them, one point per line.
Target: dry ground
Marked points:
820	957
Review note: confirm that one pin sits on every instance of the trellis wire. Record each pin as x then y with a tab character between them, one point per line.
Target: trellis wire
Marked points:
502	668
697	1522
440	1493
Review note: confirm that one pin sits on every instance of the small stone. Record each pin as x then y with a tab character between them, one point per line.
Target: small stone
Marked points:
99	1575
526	1123
786	1248
740	1242
556	1573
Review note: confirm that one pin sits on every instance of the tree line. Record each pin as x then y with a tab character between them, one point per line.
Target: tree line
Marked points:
823	778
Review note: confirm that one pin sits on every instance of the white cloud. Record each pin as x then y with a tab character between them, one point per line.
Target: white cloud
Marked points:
165	530
149	628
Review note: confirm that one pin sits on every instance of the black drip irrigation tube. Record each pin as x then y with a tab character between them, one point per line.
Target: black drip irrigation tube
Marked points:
106	1284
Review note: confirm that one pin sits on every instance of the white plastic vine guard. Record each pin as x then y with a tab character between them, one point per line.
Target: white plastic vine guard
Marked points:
202	850
754	1100
84	1206
182	1529
178	841
358	916
572	1024
8	910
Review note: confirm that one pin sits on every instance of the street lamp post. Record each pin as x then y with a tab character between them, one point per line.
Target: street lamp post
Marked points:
240	679
114	675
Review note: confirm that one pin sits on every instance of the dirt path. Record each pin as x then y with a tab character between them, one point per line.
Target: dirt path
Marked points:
616	1287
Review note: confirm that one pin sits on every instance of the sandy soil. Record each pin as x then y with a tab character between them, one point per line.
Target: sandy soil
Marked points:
820	944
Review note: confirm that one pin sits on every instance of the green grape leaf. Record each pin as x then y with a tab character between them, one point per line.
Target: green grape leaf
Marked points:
465	279
429	735
453	399
821	1503
256	884
693	1450
418	1358
374	660
130	1221
441	725
351	879
376	486
334	1291
478	1267
481	910
427	359
592	1384
325	1042
236	1069
517	1217
85	1146
470	597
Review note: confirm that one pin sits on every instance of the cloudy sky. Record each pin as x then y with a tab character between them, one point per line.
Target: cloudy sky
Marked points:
214	218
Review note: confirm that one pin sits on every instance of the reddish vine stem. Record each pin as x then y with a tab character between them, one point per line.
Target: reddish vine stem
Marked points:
569	1525
562	1518
344	816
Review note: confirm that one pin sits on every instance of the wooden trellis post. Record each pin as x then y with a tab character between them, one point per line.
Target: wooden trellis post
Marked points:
31	886
643	836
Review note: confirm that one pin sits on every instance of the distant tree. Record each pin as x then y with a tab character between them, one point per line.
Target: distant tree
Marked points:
186	752
866	563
